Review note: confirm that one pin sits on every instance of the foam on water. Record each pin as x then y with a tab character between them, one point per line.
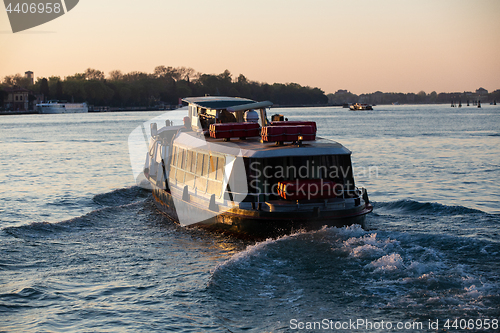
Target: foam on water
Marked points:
387	263
316	274
389	270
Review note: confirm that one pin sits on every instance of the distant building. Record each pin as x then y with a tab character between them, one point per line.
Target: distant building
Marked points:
481	91
16	99
29	75
341	92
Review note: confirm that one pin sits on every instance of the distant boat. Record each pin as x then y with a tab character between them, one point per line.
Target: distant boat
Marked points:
360	107
62	107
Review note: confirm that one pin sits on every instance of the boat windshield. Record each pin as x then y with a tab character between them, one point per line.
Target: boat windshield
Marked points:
264	174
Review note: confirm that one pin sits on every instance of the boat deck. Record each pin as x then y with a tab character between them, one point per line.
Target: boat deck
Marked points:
254	147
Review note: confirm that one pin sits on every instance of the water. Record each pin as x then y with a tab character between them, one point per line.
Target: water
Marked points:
83	249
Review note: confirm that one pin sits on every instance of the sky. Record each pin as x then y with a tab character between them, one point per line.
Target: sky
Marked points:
359	45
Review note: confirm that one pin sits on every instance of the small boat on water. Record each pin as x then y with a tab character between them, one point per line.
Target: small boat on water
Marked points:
360	107
230	169
62	107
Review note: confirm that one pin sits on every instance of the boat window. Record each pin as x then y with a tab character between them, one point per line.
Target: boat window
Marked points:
171	174
201	184
199	164
179	158
188	160
263	174
220	168
197	170
205	165
181	162
184	159
172	159
174	156
191	161
212	167
323	170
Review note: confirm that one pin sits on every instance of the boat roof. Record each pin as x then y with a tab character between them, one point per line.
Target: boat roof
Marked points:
217	102
254	148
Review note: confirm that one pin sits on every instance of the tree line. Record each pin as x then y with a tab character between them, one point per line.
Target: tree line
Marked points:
162	87
166	85
378	97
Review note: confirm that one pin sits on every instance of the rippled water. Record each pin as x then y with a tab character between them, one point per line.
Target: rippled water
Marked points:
83	249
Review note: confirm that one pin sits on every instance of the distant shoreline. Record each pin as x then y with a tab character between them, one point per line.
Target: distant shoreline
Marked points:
145	109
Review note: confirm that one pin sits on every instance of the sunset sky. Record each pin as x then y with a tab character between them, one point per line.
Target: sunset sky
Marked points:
362	46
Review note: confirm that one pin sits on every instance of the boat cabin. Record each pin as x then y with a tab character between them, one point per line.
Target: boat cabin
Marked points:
204	111
234	155
231	168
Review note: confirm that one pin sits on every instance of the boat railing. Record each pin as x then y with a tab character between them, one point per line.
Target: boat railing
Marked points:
358	191
258	204
232	194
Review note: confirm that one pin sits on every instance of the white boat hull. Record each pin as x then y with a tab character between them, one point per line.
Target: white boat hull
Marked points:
62	108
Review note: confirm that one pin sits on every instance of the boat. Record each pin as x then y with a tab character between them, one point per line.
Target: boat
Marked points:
62	107
360	107
230	169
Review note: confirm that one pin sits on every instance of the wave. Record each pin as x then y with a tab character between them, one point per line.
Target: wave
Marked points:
37	230
425	208
117	199
122	196
263	247
96	218
365	269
